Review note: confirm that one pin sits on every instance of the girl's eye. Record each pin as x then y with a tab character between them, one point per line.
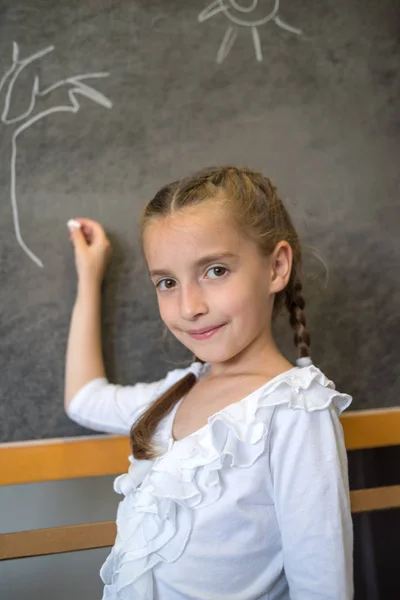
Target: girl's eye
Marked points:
166	282
219	271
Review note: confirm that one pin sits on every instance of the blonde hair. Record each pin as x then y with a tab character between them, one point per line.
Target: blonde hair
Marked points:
255	206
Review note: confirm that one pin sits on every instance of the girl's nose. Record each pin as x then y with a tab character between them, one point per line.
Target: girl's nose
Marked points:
192	301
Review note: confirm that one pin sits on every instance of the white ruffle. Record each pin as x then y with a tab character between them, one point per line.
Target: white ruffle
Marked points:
154	519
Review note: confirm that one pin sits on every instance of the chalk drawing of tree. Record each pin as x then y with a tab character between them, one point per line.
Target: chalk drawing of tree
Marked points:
76	87
243	14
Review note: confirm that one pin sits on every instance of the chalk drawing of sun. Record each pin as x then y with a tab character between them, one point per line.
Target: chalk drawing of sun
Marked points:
245	13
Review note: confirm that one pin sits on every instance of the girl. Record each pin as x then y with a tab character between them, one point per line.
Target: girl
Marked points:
238	485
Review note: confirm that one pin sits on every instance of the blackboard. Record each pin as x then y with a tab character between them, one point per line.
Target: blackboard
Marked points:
305	92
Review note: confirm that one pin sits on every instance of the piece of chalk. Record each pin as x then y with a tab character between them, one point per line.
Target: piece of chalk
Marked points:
72	224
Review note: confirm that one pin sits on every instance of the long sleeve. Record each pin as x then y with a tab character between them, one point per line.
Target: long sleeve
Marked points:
111	408
308	464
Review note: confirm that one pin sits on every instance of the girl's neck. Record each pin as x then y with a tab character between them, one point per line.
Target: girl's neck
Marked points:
260	358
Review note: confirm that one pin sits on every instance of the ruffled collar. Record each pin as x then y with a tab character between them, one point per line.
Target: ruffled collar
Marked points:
299	378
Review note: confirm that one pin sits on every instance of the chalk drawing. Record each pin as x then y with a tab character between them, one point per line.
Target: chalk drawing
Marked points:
26	119
243	14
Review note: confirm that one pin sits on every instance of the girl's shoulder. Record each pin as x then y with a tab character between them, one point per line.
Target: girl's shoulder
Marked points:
305	388
293	394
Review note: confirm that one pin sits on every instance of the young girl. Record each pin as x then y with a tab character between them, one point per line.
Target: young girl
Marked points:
238	485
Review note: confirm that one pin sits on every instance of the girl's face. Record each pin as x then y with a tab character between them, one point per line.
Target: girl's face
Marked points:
207	275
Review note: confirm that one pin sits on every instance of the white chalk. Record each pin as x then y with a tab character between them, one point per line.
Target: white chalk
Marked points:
72	224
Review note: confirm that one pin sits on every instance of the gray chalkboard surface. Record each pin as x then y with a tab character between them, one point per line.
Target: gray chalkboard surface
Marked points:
104	102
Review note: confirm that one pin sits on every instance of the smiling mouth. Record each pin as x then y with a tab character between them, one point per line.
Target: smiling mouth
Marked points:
204	330
205	333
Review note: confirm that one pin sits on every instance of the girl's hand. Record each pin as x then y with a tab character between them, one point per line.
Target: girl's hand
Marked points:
92	249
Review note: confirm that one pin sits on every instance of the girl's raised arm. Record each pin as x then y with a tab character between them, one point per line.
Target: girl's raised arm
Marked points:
84	359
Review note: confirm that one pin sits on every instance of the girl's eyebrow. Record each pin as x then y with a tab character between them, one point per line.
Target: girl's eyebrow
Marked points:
199	263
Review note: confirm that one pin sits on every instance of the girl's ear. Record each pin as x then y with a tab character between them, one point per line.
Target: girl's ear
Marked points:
281	266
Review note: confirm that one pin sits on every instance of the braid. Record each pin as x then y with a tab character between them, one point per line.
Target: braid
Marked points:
295	304
142	430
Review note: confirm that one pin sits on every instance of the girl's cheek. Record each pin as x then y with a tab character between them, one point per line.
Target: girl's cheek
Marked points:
233	302
166	310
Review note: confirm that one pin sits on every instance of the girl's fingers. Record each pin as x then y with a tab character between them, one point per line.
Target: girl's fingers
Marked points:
90	225
91	246
93	233
88	234
77	237
88	222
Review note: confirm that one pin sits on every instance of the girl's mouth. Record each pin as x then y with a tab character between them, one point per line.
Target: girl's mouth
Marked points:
205	335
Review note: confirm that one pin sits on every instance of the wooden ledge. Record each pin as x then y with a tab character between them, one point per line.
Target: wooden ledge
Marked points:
365	429
56	540
63	458
379	498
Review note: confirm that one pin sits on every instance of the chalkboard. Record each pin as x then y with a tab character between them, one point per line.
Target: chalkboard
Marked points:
104	102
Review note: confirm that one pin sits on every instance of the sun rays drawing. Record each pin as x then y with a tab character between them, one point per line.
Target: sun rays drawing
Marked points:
251	14
75	86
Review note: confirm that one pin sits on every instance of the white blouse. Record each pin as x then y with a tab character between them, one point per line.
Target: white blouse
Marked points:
254	505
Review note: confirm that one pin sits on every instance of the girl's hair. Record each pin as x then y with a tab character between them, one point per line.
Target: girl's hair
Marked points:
253	203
